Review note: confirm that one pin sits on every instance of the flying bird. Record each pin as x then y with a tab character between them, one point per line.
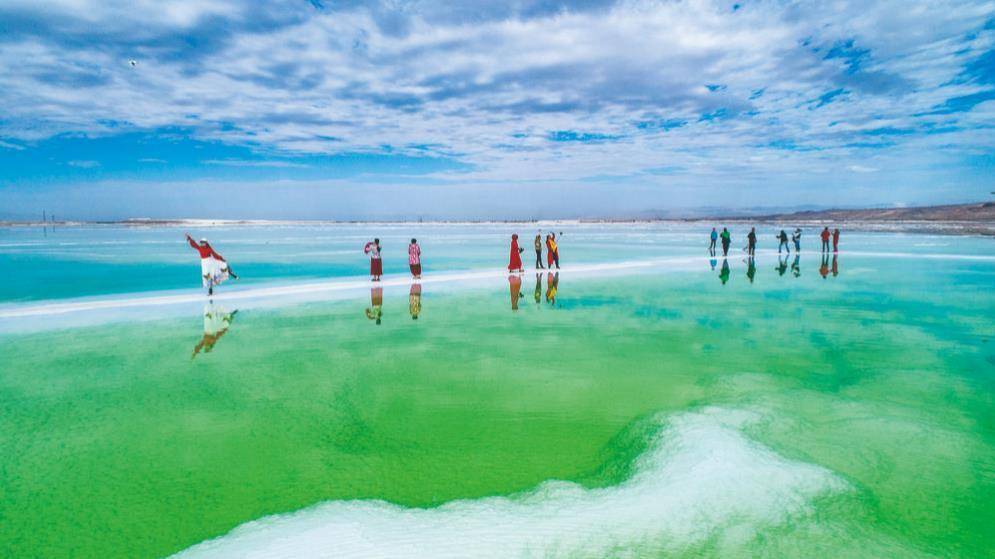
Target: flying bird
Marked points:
133	62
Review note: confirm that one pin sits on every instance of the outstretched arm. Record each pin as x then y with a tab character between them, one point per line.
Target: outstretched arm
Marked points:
215	254
191	241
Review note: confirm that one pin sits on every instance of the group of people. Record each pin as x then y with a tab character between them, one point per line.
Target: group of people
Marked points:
215	269
782	237
552	252
374	251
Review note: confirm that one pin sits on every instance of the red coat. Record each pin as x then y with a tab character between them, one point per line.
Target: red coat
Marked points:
205	250
515	262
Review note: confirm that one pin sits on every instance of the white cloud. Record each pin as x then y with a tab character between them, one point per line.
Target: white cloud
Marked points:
355	79
253	163
862	169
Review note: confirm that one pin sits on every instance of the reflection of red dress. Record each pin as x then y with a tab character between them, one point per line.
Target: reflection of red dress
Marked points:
515	284
515	263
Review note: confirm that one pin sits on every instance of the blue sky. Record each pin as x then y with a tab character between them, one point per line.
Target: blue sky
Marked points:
527	109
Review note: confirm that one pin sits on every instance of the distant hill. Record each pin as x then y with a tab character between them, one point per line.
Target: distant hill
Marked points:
963	213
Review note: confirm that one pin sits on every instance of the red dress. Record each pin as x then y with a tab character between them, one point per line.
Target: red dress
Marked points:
515	263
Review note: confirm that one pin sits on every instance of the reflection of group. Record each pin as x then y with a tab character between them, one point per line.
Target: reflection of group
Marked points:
216	323
828	266
375	311
552	285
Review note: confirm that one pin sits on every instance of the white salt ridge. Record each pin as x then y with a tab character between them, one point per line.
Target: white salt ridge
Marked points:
229	292
701	480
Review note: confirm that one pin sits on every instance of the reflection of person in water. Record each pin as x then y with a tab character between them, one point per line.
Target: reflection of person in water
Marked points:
375	310
515	284
796	265
751	268
712	262
552	284
724	274
824	268
782	265
216	324
836	268
414	301
538	291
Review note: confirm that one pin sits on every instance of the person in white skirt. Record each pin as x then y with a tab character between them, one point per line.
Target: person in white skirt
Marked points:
214	268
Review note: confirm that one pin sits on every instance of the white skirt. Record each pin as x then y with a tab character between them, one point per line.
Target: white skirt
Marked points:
213	271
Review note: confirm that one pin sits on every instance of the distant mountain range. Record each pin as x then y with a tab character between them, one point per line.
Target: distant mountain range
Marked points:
977	212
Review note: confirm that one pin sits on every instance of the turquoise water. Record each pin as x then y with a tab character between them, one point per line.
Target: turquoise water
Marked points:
57	263
640	411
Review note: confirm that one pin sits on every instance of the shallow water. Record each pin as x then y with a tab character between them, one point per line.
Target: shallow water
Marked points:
651	411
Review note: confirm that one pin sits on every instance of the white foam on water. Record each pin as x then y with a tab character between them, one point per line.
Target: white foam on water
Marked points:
701	479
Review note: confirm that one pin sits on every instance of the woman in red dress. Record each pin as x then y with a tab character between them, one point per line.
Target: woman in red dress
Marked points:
515	263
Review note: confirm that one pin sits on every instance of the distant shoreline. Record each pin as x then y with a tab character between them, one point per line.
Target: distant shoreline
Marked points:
962	219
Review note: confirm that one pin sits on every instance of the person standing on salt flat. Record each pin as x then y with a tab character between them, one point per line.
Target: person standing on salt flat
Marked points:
515	261
711	246
538	245
554	251
796	237
376	264
782	239
751	241
825	239
414	259
214	268
726	241
836	240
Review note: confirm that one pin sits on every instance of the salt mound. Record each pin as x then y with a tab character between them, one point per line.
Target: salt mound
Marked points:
701	478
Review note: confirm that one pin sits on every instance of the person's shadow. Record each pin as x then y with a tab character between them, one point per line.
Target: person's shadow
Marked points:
724	272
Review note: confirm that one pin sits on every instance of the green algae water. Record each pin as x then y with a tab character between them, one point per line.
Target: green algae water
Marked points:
825	408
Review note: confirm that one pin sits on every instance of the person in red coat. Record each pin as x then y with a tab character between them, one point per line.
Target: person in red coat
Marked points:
214	269
515	263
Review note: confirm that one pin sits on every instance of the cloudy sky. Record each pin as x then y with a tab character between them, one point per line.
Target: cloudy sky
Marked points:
485	109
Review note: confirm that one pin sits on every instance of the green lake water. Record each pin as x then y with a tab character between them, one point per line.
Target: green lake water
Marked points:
787	416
